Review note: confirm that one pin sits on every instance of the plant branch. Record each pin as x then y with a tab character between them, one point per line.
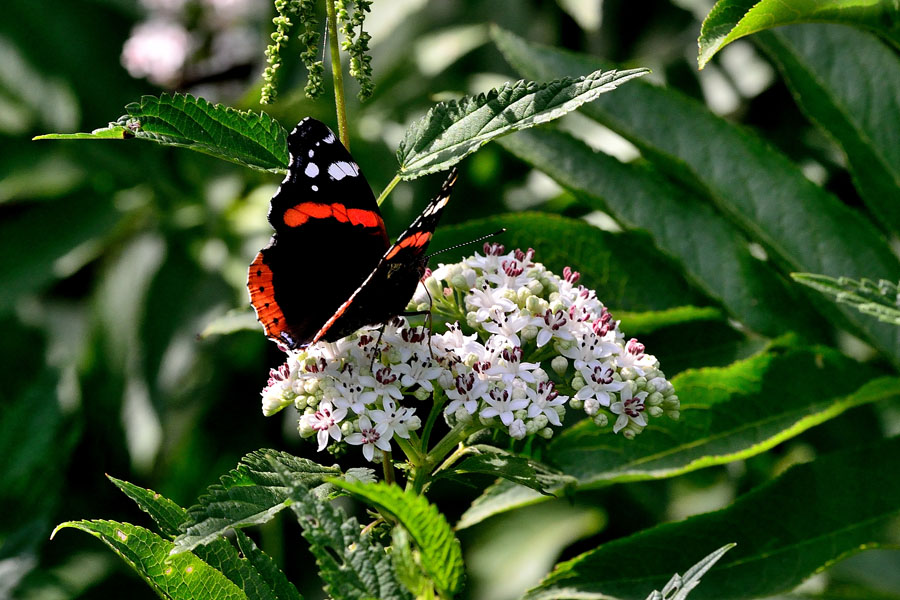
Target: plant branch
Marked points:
388	189
337	74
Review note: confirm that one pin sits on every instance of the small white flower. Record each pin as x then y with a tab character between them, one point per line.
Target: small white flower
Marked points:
325	421
508	366
630	407
466	393
543	400
485	298
393	420
370	438
278	392
507	327
501	403
490	262
511	274
383	385
634	358
599	383
552	325
418	370
346	395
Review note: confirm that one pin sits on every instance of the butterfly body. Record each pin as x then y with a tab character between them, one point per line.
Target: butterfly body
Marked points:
329	268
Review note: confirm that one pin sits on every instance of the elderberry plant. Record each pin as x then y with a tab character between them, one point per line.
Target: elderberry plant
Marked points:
521	347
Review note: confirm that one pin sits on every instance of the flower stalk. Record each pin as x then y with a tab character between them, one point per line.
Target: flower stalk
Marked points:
337	73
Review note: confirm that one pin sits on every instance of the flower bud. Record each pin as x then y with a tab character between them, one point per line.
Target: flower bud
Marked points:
422	394
534	305
434	287
640	382
655	411
521	414
531	428
529	332
674	414
560	365
414	423
458	281
522	296
540	421
540	375
628	373
601	420
272	403
654	399
347	427
628	434
462	415
591	406
310	386
305	429
517	429
671	403
546	433
300	403
577	382
576	403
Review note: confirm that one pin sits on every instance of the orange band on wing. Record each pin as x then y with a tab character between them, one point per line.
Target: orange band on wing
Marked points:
416	240
303	212
262	297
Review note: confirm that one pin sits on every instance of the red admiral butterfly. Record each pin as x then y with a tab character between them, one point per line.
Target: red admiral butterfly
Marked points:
329	268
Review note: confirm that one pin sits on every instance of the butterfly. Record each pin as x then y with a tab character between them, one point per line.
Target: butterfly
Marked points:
329	268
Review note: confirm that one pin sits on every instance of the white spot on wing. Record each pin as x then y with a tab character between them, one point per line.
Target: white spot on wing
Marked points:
340	169
311	153
315	188
329	139
311	170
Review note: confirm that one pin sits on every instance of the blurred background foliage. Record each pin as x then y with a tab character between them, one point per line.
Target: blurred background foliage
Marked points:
115	256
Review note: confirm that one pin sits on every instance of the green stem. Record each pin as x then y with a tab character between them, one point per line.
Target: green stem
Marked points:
388	189
388	466
412	453
423	473
337	74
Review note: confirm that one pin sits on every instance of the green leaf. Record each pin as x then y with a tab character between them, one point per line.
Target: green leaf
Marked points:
256	574
452	130
238	319
279	586
749	181
714	253
244	137
730	20
112	132
174	577
813	515
167	515
679	587
513	467
878	300
353	566
727	414
251	494
852	95
613	264
441	553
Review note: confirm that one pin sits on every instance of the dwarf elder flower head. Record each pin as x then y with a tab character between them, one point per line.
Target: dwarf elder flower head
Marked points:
522	348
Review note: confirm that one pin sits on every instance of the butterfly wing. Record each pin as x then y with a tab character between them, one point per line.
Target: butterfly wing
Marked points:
388	288
328	237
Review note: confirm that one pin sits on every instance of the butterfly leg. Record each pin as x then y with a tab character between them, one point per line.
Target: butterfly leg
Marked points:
377	346
429	319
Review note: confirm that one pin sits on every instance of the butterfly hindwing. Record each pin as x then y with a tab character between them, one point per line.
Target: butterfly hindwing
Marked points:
328	238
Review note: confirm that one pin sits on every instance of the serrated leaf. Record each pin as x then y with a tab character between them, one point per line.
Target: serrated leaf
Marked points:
679	587
811	516
518	469
251	139
353	566
279	586
256	574
727	414
441	553
167	515
755	185
613	264
452	130
179	577
251	494
877	299
847	82
714	254
730	20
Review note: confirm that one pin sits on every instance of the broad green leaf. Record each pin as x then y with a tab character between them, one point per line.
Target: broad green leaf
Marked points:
643	323
452	130
848	82
244	137
730	20
251	494
255	573
801	226
727	414
714	254
613	264
352	565
876	299
518	469
812	516
441	553
174	577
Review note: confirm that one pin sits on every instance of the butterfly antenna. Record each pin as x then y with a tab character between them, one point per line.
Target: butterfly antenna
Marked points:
475	241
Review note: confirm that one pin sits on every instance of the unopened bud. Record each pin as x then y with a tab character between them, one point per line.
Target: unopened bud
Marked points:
560	365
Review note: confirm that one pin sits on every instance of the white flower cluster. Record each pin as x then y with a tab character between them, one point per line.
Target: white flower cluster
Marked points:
537	345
